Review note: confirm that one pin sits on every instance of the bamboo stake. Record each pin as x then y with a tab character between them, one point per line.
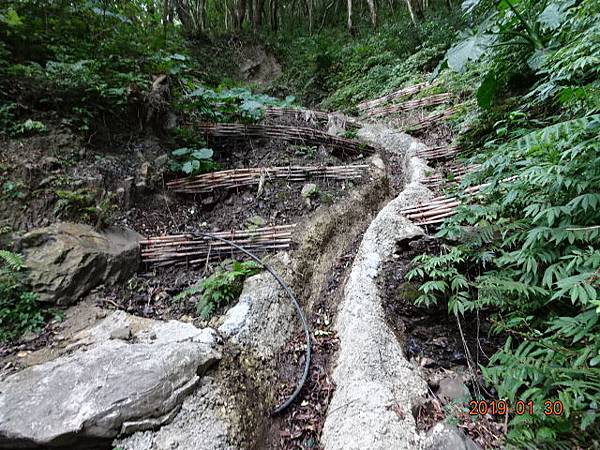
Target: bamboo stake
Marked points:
428	121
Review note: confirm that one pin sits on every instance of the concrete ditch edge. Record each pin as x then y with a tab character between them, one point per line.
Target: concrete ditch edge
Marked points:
376	387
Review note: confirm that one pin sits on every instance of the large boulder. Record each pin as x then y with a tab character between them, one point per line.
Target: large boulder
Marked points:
67	260
125	375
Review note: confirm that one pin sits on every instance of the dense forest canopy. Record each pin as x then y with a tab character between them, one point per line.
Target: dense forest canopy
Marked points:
522	77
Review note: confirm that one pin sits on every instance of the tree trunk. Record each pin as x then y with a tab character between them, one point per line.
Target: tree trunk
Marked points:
257	11
415	10
373	10
274	12
309	7
350	16
241	14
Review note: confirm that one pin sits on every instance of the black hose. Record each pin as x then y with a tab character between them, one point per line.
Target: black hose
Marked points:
283	406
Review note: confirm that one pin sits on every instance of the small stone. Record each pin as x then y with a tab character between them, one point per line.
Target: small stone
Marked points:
161	161
144	171
208	200
123	333
257	221
378	162
452	388
309	190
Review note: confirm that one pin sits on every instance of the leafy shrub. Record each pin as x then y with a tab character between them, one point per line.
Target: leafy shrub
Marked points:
529	256
192	161
222	287
19	310
12	190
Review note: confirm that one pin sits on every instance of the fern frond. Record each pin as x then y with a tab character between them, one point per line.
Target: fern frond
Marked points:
12	260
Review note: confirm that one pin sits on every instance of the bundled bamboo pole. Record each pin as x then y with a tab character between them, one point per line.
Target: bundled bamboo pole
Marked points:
227	132
309	116
441	152
237	178
188	249
409	90
430	120
410	105
438	208
457	172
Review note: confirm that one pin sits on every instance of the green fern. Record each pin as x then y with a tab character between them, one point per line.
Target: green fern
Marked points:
12	260
220	288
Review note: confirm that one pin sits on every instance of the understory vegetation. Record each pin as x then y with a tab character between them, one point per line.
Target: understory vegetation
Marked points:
221	288
525	249
19	310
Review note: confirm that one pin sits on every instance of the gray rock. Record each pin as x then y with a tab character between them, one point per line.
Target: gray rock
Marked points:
257	221
161	162
447	437
263	318
199	425
452	388
106	387
67	260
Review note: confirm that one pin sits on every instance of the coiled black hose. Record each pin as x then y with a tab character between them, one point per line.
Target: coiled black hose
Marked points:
283	406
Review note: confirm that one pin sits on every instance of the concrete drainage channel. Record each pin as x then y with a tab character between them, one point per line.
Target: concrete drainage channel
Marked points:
161	385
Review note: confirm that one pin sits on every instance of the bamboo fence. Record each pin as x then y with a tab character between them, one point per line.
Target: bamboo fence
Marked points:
433	100
409	90
430	120
437	153
237	178
438	179
218	133
309	116
439	208
188	249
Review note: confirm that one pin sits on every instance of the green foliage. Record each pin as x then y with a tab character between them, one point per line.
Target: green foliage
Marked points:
339	71
12	190
192	161
19	310
222	287
530	257
525	37
526	249
86	59
82	204
230	105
